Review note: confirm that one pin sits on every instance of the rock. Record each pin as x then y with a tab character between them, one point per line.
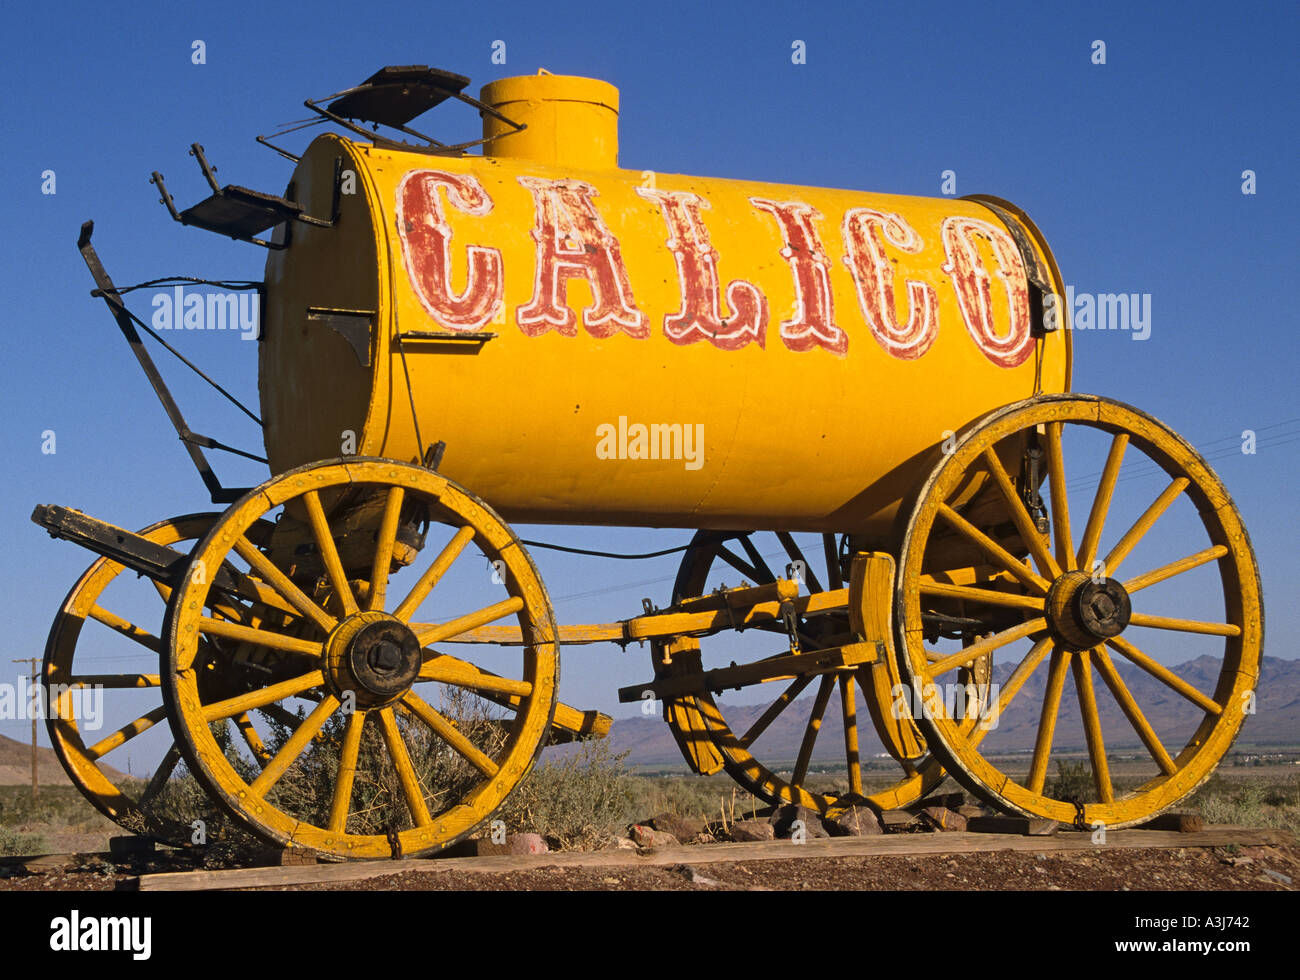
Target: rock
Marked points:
941	818
1183	823
898	821
693	876
526	844
619	844
949	801
969	810
646	836
856	821
124	846
683	828
784	820
752	830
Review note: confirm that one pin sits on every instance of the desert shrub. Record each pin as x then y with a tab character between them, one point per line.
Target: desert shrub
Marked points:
1248	804
14	844
578	803
1073	781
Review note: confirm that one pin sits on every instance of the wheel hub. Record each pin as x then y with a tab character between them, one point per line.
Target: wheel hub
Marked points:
1083	611
374	655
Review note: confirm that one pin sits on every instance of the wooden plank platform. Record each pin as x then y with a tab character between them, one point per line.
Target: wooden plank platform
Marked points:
695	855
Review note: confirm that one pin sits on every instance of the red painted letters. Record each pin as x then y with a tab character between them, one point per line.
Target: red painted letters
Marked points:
971	279
426	249
574	243
864	229
697	270
813	323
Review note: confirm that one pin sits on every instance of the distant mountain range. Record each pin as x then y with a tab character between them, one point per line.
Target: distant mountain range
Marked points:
1276	721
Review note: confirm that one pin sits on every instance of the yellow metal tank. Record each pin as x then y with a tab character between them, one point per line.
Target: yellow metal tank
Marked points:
607	346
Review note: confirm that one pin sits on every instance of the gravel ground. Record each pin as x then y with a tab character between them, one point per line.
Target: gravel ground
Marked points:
1155	869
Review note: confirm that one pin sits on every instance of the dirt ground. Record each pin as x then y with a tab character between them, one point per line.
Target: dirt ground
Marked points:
1271	868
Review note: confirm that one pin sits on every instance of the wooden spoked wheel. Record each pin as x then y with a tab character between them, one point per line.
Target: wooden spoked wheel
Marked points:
82	662
716	559
1158	597
396	747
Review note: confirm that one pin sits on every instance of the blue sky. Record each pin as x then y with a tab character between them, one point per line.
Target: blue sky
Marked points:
1132	169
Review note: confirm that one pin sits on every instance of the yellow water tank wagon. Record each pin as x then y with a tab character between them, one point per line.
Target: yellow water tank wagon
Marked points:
629	347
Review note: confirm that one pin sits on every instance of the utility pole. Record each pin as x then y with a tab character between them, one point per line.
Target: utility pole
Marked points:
35	680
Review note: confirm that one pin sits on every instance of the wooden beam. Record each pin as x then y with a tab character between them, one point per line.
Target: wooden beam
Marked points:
699	854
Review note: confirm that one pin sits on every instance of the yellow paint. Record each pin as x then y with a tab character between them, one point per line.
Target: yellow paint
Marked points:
801	440
532	694
1182	770
571	121
62	667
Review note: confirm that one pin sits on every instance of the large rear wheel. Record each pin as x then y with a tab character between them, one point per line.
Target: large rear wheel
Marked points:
1133	578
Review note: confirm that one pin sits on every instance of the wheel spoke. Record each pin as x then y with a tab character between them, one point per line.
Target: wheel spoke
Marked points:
1020	516
987	645
161	775
437	632
1184	625
834	575
811	731
848	701
1175	568
405	771
164	591
329	553
1060	499
1162	673
341	802
293	746
795	554
127	732
1101	502
266	695
993	549
449	733
384	548
985	596
747	542
1143	524
281	583
738	563
251	738
264	638
126	628
420	591
1131	710
1047	720
774	709
1012	687
1092	726
446	669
